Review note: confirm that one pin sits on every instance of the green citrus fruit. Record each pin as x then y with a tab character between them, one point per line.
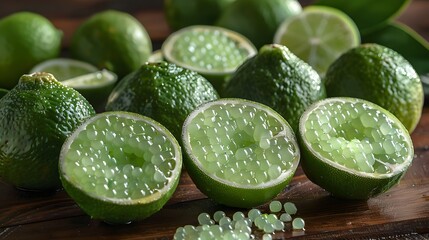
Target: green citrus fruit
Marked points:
258	20
279	79
239	153
353	148
113	40
3	92
162	91
64	68
183	13
380	75
25	40
318	35
120	167
36	117
213	52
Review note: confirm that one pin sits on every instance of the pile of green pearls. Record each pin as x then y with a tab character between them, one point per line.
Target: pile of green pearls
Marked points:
240	226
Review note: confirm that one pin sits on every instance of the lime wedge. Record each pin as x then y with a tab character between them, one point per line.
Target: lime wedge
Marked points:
353	148
214	52
64	68
239	153
318	35
120	167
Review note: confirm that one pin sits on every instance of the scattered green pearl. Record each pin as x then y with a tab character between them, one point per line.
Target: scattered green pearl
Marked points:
290	208
275	206
298	223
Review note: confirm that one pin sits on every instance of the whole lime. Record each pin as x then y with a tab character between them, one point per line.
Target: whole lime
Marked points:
380	75
258	20
36	117
279	79
113	40
183	13
25	39
162	91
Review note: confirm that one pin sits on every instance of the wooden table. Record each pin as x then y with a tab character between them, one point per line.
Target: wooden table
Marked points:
402	212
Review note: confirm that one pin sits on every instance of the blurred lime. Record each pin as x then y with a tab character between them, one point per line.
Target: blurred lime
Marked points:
239	153
25	40
380	75
120	167
112	40
36	117
277	78
353	148
162	91
64	68
93	84
213	52
3	92
318	35
368	14
258	20
183	13
156	56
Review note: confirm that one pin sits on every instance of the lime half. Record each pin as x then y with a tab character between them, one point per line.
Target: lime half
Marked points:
214	52
239	153
353	148
120	166
64	68
318	35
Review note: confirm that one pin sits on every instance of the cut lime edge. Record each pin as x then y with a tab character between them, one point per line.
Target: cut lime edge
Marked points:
63	62
336	165
242	41
319	9
147	199
92	80
286	132
156	56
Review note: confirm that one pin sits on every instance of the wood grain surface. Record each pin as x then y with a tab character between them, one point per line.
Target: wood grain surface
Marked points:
400	213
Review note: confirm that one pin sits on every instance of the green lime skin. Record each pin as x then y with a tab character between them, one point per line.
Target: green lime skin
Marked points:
162	91
3	92
113	40
183	13
26	39
258	20
277	78
380	75
36	117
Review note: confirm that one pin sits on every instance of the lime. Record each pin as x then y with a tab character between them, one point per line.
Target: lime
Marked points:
353	148
156	56
239	153
93	84
25	40
277	78
380	75
64	68
213	52
258	20
162	91
183	13
318	35
112	40
95	87
368	14
3	92
36	117
120	167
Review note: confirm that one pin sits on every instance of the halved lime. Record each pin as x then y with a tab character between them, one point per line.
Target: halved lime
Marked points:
353	148
318	35
239	153
120	166
93	84
214	52
64	68
95	87
156	56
